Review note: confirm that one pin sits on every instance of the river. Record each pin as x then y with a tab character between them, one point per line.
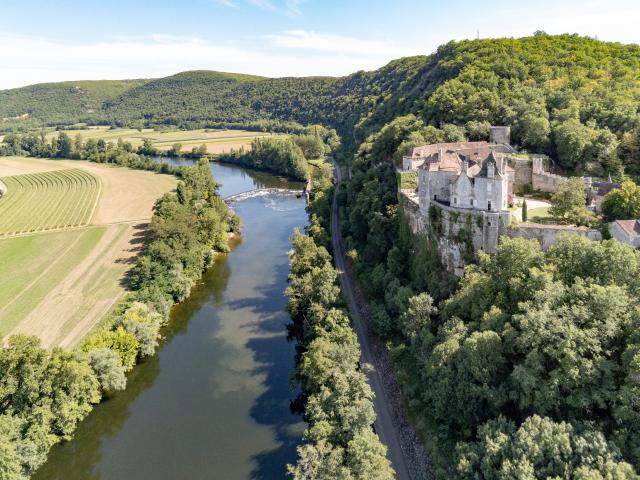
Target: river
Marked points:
213	403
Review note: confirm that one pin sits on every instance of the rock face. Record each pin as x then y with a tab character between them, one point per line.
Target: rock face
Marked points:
461	234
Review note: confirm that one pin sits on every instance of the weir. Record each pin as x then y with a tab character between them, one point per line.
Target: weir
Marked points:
259	192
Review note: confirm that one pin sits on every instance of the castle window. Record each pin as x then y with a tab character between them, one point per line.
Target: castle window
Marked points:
455	200
471	201
489	205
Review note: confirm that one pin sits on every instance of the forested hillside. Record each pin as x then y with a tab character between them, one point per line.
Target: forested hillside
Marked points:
573	97
527	367
58	103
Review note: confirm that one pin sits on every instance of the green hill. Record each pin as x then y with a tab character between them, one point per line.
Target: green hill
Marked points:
59	103
573	97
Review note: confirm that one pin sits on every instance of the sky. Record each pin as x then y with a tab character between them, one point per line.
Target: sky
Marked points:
55	40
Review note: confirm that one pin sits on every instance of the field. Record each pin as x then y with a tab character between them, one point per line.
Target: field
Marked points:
60	284
48	201
217	141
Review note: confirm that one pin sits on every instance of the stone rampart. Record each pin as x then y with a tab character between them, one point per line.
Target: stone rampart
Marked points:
547	235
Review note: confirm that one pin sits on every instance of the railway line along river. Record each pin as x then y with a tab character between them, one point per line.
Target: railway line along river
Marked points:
213	403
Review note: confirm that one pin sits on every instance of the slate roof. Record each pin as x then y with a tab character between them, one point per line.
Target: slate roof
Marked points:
483	171
605	187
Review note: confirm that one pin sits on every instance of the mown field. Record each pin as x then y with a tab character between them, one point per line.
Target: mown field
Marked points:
217	141
52	200
69	231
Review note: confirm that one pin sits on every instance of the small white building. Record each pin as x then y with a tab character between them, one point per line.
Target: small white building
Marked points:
626	231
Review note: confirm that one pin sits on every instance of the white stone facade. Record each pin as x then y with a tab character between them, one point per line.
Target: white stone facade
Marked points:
482	186
626	231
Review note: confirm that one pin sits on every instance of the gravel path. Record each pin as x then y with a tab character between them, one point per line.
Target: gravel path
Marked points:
405	451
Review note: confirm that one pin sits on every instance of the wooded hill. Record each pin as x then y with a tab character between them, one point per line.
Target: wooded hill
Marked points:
573	97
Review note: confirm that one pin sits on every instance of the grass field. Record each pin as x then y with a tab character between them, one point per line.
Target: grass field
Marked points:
217	141
539	214
58	285
52	200
32	264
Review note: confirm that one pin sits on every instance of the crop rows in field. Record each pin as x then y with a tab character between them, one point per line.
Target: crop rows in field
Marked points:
48	201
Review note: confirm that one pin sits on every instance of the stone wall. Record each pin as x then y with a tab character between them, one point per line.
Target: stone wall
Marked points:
412	212
547	235
542	180
523	173
461	233
458	232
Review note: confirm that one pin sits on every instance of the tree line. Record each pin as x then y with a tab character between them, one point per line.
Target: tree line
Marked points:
45	393
286	155
339	442
121	152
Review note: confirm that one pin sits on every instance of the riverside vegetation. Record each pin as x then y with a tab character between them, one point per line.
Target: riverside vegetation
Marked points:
45	393
526	368
286	156
336	399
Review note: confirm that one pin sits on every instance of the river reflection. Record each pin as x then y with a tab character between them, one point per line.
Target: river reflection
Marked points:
214	402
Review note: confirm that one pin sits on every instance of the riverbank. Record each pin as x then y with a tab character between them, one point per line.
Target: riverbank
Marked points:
229	415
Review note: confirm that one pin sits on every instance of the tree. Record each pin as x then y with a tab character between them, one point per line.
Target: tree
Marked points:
366	458
202	150
417	316
175	150
108	368
568	203
539	449
622	203
10	462
525	214
572	139
64	146
312	146
320	461
125	344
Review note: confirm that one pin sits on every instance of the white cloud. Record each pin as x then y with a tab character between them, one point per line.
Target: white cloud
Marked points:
26	60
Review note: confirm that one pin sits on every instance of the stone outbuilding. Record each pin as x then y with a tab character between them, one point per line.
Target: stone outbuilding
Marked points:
626	231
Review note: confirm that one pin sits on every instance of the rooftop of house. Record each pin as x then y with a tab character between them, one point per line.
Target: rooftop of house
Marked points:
429	150
474	159
605	187
630	227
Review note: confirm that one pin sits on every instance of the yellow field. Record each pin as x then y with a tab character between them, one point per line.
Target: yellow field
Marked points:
217	141
59	285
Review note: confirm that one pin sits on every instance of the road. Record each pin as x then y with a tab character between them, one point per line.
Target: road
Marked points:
385	425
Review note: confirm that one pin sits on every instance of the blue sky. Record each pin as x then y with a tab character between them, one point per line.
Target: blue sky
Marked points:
57	40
